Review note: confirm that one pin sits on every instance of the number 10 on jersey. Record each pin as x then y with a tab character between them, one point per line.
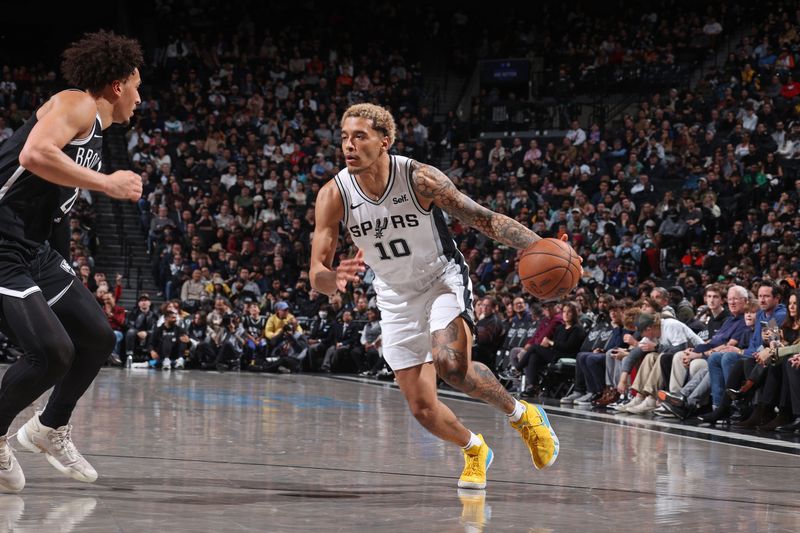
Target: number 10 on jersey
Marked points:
398	248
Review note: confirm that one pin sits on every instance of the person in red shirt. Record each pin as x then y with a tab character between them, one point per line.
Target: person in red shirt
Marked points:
695	257
547	324
791	89
116	319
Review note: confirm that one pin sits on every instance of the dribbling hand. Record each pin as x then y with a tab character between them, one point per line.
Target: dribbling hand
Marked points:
124	185
348	269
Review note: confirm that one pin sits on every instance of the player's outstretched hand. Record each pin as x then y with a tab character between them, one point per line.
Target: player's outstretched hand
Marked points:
124	185
565	238
348	270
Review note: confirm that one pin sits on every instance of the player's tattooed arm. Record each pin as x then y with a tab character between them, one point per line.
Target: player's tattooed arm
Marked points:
434	186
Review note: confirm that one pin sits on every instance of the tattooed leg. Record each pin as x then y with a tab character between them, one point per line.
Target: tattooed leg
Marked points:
452	357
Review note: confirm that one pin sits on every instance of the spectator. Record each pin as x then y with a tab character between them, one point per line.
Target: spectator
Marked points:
371	344
193	291
283	332
169	343
255	343
198	332
590	361
721	363
693	360
344	354
660	336
224	347
488	332
141	325
567	338
320	336
116	319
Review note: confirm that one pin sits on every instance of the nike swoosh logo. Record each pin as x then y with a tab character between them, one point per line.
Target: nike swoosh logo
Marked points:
356	206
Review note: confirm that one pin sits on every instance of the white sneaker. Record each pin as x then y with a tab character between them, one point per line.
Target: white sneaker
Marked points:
571	397
166	364
614	406
633	403
179	363
11	477
584	399
140	366
58	448
663	413
643	407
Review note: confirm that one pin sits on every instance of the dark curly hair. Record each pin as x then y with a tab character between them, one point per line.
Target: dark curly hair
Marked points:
98	59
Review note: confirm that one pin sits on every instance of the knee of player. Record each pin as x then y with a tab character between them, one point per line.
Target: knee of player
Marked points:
99	340
422	411
60	354
451	370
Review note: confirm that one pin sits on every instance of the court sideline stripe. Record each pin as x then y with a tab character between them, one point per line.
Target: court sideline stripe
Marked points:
436	476
741	440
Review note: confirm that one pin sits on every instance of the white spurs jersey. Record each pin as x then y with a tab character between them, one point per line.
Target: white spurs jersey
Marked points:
405	245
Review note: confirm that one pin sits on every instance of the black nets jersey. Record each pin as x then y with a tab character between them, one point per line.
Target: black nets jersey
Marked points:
30	205
254	326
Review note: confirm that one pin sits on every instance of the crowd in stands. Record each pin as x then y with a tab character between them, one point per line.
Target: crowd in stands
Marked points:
592	47
685	213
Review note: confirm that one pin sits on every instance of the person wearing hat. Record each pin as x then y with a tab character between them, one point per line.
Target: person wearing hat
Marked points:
281	318
684	311
661	337
141	322
285	337
591	271
716	258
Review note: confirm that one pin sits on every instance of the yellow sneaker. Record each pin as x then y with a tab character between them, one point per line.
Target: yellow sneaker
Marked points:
535	430
475	514
477	461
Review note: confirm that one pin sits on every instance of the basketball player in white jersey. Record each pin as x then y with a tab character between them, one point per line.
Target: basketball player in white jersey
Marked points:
392	206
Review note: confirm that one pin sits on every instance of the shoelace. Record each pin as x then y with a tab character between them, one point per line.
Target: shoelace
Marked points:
62	440
527	430
473	466
5	456
528	434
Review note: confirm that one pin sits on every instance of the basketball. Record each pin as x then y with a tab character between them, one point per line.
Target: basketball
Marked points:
549	269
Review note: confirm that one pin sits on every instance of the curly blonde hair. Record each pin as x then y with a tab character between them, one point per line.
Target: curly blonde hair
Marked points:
382	120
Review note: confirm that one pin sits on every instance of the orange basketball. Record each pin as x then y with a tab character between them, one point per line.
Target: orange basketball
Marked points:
549	269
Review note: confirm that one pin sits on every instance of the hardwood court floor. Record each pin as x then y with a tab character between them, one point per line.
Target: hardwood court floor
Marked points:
195	452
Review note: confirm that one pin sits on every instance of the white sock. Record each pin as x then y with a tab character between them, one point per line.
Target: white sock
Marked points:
516	414
473	441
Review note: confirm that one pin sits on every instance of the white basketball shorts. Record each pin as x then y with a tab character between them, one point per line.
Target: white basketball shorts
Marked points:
408	317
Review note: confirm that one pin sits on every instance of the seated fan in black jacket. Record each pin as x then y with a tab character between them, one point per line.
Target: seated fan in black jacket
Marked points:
566	342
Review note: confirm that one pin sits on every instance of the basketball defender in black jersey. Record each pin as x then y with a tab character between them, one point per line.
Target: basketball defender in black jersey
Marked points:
43	307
